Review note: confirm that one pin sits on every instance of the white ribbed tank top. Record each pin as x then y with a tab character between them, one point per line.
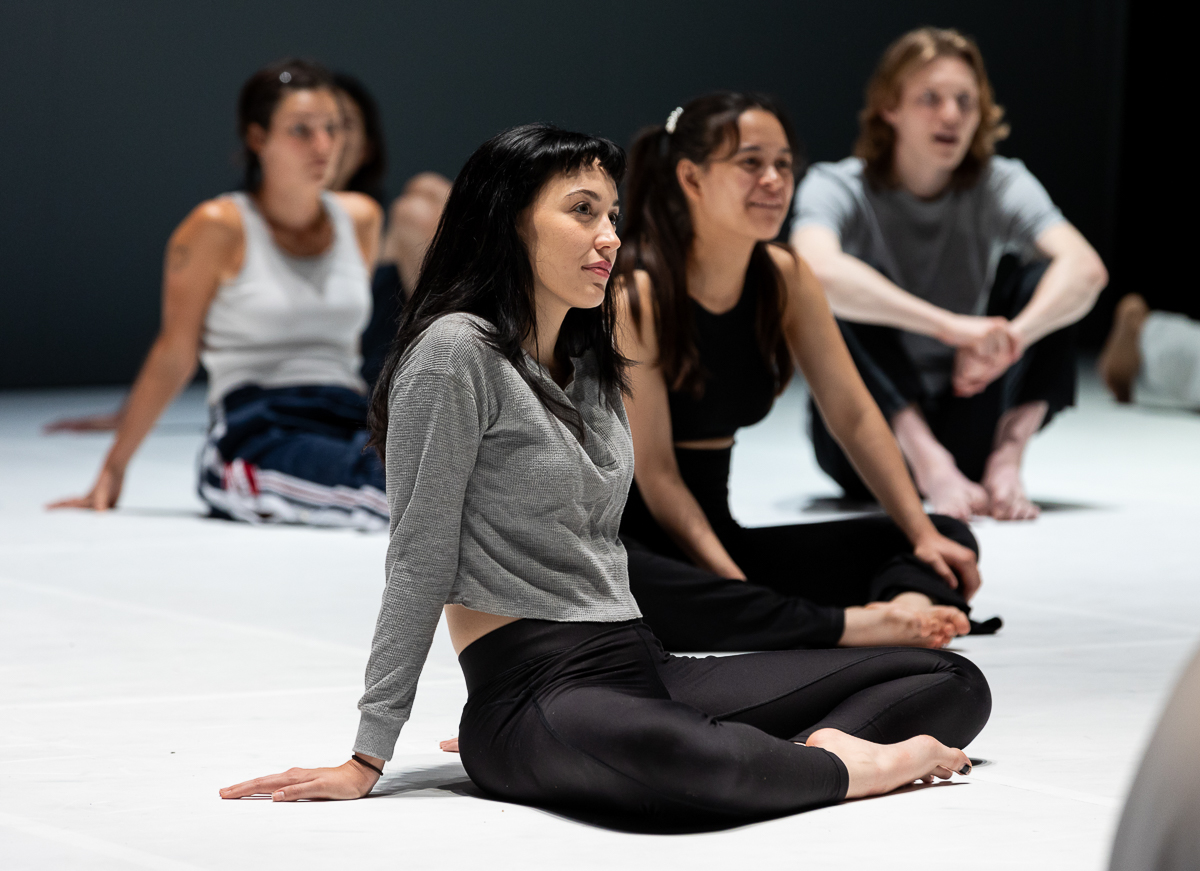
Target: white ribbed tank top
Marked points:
286	320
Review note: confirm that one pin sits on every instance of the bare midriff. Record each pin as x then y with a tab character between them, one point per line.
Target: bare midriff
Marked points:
467	626
717	444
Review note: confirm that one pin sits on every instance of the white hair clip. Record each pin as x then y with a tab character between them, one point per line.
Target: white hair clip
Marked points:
285	77
673	119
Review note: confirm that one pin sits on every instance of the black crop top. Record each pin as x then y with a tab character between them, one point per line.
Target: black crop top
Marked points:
739	386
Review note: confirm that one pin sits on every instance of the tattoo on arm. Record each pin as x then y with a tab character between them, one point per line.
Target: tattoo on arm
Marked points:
177	257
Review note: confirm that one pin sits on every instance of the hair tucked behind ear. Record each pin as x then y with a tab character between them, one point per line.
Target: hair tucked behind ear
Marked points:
477	263
658	233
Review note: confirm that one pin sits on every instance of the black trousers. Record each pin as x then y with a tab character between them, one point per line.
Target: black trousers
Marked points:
965	426
800	577
599	717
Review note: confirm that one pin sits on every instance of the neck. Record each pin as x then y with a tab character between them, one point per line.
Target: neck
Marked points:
716	267
918	177
293	207
540	345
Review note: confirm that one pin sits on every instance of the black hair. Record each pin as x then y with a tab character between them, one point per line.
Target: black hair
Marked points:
658	233
260	97
477	263
368	178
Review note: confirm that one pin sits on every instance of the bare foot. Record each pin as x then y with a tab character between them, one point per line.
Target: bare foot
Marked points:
1002	474
450	745
1120	359
950	492
878	768
914	601
933	468
885	624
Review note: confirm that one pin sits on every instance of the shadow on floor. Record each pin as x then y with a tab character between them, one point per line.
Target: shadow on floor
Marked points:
450	780
447	778
844	505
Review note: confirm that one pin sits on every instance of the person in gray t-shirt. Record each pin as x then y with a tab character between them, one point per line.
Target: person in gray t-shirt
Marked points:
954	277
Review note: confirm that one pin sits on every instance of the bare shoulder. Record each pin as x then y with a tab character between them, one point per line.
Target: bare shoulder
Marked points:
797	275
216	219
210	238
364	211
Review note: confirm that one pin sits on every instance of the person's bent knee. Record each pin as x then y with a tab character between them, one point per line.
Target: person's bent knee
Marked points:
955	530
431	185
973	699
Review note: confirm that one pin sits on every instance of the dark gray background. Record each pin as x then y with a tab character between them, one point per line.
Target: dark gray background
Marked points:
118	117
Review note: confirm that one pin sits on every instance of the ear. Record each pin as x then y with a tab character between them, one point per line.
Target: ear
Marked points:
688	173
256	137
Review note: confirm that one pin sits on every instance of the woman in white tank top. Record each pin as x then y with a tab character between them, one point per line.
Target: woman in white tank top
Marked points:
269	289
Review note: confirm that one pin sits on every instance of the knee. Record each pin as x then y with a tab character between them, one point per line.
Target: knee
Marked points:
955	530
973	697
432	186
414	214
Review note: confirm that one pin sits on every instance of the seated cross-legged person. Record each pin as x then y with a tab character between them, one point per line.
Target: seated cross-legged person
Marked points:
509	457
269	288
717	317
955	279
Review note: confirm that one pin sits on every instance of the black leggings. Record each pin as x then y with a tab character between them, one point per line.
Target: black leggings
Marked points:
966	427
801	577
597	717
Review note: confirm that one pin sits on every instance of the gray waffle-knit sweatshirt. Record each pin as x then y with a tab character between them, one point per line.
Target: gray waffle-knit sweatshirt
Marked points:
494	505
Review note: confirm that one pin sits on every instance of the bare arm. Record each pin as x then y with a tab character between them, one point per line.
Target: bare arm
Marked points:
206	248
1068	289
1066	292
368	224
856	423
858	292
655	470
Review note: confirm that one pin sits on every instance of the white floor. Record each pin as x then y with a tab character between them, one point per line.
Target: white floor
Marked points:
148	657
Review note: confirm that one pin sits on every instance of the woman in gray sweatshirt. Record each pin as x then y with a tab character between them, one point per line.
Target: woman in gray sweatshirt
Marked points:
509	459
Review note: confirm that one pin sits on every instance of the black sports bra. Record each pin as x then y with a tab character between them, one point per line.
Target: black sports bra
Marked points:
739	386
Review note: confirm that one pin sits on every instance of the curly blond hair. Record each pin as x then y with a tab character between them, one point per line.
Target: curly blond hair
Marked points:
877	139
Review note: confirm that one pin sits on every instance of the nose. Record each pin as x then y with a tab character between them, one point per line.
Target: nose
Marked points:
608	240
771	177
323	141
950	111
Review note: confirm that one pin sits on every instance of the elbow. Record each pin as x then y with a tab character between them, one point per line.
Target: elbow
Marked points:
1093	279
1098	276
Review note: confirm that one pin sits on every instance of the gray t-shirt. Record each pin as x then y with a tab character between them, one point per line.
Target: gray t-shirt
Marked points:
494	505
945	251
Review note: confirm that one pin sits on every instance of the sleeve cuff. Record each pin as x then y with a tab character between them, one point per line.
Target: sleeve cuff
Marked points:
377	735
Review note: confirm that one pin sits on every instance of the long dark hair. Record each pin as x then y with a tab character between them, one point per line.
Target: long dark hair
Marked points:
478	264
261	95
368	178
658	233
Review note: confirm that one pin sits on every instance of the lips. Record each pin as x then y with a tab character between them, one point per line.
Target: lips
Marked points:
601	267
945	138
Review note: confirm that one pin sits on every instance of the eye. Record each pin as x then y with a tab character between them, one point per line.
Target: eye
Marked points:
300	131
783	166
614	217
966	102
583	208
752	163
928	98
334	129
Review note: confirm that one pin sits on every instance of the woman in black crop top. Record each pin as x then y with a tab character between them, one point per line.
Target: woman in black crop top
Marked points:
716	314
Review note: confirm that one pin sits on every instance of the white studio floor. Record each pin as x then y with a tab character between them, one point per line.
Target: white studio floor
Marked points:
149	656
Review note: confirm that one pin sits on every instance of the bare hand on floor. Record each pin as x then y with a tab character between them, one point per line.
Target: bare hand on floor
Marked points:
348	781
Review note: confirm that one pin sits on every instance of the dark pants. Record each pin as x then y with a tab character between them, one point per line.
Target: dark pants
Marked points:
801	577
599	717
965	426
293	455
